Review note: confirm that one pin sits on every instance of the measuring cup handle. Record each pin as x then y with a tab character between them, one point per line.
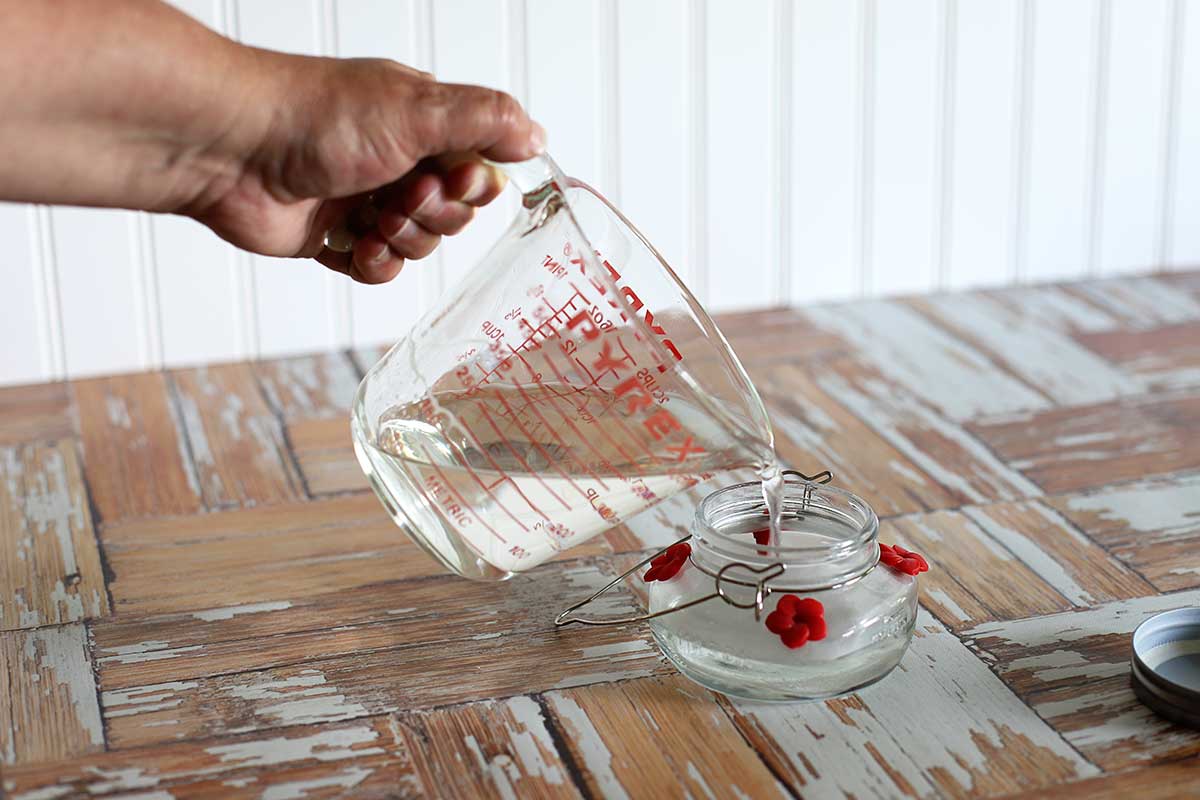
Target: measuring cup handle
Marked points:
532	174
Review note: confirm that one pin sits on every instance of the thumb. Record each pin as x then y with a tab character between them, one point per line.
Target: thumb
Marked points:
455	117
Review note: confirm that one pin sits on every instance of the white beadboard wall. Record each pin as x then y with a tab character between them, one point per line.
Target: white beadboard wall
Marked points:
777	153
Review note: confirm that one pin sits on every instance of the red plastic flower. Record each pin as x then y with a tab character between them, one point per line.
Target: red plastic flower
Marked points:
902	560
666	566
797	621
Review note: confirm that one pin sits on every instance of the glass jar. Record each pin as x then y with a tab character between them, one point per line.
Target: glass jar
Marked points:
810	613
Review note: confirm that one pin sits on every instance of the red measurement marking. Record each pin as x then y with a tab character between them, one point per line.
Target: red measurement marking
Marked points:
467	466
524	464
546	455
461	502
559	439
688	447
588	442
507	477
628	458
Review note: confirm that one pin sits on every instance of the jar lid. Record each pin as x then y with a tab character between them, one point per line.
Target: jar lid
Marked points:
1165	668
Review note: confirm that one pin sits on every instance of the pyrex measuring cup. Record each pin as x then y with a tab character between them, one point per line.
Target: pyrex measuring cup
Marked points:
567	383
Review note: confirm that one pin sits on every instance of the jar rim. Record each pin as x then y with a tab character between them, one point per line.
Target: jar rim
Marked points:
858	536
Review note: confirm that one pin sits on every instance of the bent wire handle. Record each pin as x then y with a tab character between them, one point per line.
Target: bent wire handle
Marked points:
761	590
561	619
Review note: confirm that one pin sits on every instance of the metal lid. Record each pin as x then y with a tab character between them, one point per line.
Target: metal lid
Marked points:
1165	668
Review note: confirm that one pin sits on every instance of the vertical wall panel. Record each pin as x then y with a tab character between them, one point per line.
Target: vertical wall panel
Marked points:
21	331
984	165
291	296
365	28
564	82
1184	223
739	215
1057	225
1131	199
99	292
826	144
484	60
652	87
907	38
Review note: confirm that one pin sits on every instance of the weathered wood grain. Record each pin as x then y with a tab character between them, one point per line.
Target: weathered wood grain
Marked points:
942	725
1054	307
1058	553
490	749
475	667
325	453
658	737
1163	782
1153	526
1166	357
778	334
1073	669
813	432
941	448
1139	302
135	451
971	576
308	387
237	445
1051	362
258	555
48	705
269	554
37	412
1066	449
131	650
931	363
360	759
50	570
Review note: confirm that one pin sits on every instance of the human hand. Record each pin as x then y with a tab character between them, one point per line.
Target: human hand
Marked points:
346	129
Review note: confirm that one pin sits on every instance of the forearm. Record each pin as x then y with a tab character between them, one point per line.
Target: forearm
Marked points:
125	103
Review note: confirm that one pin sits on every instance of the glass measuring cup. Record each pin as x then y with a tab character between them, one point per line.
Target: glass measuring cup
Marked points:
567	383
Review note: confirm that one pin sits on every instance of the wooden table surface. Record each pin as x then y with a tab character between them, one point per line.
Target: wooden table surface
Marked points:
199	597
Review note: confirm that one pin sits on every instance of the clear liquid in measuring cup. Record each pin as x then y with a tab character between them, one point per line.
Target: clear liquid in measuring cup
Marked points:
522	473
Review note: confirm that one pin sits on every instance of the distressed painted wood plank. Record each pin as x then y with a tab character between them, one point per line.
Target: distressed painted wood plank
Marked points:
325	453
1066	449
347	687
238	446
258	555
360	759
942	725
1058	553
1141	302
50	570
36	412
940	447
309	387
135	650
945	372
497	748
1163	782
1166	357
1073	669
48	705
1054	307
135	451
970	573
658	737
813	432
1052	362
1154	527
778	334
